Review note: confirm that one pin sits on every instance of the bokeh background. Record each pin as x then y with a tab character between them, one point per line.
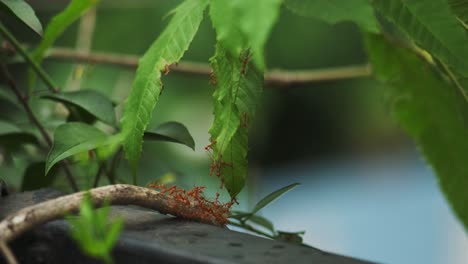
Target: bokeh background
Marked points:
365	190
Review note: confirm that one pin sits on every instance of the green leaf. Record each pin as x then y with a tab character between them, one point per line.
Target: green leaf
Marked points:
171	132
290	237
239	215
262	221
460	9
11	135
96	236
55	28
34	177
90	101
73	138
432	111
242	24
272	197
23	12
431	25
335	11
238	90
147	86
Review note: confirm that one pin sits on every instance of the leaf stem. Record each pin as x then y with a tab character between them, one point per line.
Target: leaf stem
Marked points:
454	80
23	101
251	228
42	74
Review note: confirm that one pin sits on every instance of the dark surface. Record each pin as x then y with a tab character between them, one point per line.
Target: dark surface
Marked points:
150	237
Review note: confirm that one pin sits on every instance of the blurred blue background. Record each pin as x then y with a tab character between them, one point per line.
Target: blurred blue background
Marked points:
365	191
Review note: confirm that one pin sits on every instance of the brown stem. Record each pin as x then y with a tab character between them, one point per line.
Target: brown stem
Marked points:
274	77
101	169
120	194
23	101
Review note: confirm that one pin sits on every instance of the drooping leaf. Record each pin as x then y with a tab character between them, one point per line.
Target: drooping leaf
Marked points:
23	12
243	24
55	28
272	197
91	101
460	9
34	177
95	234
238	89
73	138
432	26
335	11
11	135
171	132
166	50
432	111
262	221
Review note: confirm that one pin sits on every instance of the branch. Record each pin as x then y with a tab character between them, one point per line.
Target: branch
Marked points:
274	77
23	101
6	251
120	194
40	72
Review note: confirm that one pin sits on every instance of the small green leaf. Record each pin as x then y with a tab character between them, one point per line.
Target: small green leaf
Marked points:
272	196
239	215
431	24
90	101
432	111
168	49
73	138
96	236
335	11
23	12
262	221
55	28
34	177
171	132
244	24
290	237
11	135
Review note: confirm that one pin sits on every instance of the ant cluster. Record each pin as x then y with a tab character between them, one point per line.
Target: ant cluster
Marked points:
205	209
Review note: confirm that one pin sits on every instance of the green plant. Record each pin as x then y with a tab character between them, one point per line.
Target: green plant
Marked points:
417	48
92	230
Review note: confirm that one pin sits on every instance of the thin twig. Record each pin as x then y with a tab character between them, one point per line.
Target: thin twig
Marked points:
113	165
84	40
40	72
251	228
100	170
6	251
22	100
120	194
274	78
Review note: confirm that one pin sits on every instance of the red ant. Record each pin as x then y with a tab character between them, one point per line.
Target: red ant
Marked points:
245	61
244	120
213	80
167	69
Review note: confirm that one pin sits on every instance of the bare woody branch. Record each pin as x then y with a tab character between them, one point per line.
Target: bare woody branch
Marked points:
273	78
120	194
7	254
